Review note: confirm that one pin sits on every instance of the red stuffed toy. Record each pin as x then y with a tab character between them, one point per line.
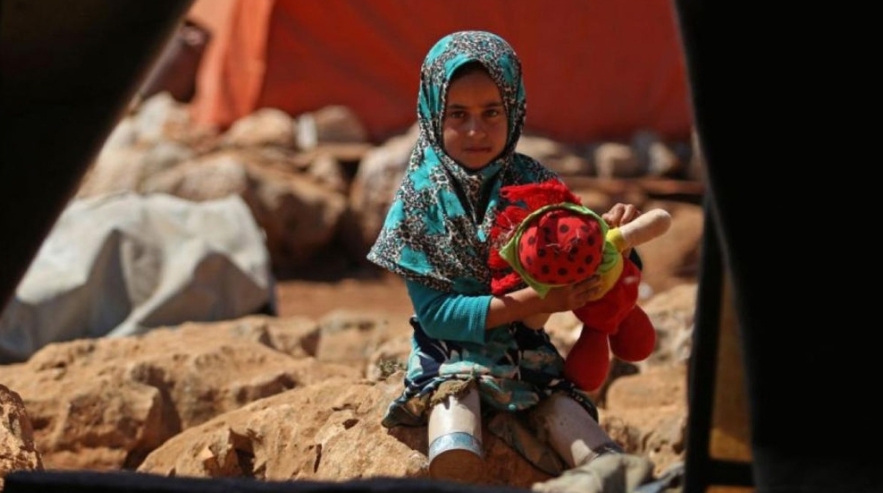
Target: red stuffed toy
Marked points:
544	238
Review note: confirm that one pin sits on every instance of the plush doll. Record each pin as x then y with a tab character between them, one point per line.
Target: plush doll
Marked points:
544	237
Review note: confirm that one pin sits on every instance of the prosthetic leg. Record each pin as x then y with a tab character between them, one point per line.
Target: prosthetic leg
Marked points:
597	463
570	430
455	449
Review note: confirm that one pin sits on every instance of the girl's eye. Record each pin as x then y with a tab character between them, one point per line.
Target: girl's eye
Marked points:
457	114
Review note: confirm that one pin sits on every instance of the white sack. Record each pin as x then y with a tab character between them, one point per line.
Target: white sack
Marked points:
123	264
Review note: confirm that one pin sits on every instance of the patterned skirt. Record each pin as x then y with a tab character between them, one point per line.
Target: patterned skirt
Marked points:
514	370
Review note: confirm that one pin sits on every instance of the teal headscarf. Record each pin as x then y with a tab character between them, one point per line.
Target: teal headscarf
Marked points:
437	227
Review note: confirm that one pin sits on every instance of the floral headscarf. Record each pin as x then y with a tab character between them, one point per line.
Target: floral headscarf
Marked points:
437	227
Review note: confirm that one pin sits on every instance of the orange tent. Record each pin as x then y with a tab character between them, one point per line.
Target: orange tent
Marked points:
594	70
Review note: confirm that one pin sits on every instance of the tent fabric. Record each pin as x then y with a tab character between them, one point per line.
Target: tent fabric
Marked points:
123	264
594	70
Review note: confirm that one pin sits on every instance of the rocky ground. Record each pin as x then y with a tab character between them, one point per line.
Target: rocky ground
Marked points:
297	396
300	395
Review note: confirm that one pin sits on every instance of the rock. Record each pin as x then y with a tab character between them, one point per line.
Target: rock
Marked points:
17	449
328	431
264	127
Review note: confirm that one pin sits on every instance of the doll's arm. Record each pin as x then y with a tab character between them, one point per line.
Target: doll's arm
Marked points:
647	226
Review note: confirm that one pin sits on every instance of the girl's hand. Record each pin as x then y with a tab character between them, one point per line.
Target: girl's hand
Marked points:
621	214
571	296
527	306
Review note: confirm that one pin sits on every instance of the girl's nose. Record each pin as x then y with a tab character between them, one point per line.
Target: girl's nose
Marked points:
474	126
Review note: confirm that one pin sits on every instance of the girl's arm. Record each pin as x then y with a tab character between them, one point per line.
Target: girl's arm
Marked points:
461	317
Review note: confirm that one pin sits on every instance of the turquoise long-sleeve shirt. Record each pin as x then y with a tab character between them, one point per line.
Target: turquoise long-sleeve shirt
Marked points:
449	316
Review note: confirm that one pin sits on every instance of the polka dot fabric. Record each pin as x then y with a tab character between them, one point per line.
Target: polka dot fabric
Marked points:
560	247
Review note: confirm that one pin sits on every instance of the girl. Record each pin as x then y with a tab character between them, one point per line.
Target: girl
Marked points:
473	353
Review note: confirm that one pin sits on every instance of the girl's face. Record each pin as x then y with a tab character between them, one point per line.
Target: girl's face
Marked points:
475	125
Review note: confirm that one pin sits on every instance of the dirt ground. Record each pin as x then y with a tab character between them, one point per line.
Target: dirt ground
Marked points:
357	292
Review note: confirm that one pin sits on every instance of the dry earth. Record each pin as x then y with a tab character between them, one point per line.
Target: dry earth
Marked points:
359	292
207	398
